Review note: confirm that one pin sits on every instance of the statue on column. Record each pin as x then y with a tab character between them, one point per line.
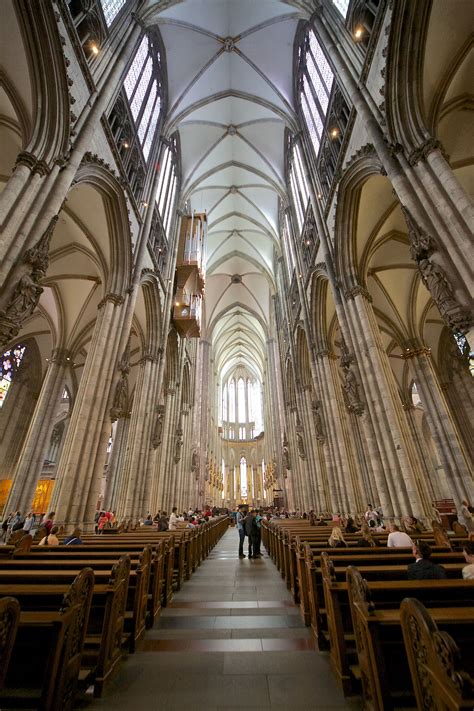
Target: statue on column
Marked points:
318	421
286	454
120	403
351	382
178	445
300	440
195	460
441	292
158	428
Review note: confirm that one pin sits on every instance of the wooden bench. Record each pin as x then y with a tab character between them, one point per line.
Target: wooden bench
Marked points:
438	670
9	618
45	662
382	658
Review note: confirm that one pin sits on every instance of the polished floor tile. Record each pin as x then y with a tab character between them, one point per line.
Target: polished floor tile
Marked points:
231	639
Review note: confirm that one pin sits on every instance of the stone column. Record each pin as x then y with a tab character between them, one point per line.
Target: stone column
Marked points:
76	474
456	465
435	477
136	503
397	452
115	468
35	446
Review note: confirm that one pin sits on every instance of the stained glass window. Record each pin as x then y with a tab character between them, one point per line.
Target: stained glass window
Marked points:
167	188
241	400
142	87
249	401
316	88
224	403
232	401
243	478
111	9
342	6
11	361
298	186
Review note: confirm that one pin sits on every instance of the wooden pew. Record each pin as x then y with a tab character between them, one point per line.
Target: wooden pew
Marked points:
382	659
45	663
104	558
440	680
137	603
9	619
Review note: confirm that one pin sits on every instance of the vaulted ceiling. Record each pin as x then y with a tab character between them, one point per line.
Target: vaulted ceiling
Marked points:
230	97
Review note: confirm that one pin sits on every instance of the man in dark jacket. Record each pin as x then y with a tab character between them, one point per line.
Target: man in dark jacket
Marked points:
251	530
424	568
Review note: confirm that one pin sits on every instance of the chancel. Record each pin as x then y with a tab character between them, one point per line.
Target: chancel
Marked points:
236	302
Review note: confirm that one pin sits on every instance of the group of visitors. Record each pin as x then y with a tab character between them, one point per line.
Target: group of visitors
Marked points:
249	524
172	522
29	523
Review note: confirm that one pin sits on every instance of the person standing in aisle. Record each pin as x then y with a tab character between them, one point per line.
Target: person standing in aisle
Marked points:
241	514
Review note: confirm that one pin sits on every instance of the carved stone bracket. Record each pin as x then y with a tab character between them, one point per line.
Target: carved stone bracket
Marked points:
27	290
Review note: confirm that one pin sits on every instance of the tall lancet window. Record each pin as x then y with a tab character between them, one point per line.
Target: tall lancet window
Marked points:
249	400
315	88
298	185
167	185
232	400
241	400
224	403
111	9
243	478
9	364
342	6
143	89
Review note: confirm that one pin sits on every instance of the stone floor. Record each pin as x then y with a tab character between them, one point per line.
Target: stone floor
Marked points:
232	638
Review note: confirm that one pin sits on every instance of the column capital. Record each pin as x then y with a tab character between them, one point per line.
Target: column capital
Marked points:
358	290
424	149
32	162
115	299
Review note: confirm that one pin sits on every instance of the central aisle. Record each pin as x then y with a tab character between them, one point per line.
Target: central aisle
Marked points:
231	638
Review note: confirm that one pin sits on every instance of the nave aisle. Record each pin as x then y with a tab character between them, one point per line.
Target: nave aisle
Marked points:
231	638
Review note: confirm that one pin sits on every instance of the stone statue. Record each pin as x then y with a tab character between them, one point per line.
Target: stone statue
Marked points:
195	460
441	292
178	445
120	404
158	429
300	441
351	388
318	421
286	454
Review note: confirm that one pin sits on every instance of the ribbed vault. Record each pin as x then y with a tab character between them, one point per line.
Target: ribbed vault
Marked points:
231	98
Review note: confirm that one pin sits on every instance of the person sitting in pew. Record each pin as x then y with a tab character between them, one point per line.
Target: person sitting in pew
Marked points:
423	568
74	539
350	526
468	570
366	540
51	539
398	539
336	539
